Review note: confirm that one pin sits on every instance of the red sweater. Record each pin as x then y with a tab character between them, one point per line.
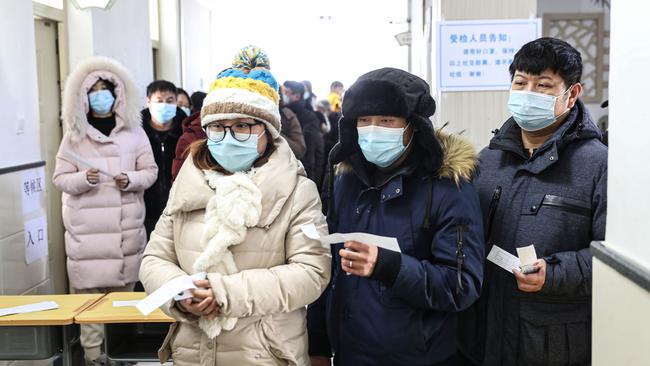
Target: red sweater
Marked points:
192	131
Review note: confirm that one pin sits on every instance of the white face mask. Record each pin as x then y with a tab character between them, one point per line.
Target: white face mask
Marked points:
381	146
533	111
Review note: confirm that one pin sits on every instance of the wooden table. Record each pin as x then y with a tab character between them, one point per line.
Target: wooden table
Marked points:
129	335
104	312
46	321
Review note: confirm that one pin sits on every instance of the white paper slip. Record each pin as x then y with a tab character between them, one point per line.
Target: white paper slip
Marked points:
365	238
29	308
125	303
503	259
188	293
77	158
165	293
527	255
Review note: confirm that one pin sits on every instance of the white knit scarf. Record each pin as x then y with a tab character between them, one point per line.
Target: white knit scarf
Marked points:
236	206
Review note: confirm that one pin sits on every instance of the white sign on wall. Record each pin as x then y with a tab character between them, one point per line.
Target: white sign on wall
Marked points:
35	239
32	186
475	55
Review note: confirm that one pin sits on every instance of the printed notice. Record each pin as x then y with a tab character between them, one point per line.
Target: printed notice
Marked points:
35	239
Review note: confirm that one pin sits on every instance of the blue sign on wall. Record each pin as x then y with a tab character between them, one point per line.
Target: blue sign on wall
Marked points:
475	55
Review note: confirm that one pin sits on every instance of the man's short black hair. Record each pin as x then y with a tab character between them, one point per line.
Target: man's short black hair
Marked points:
336	84
161	86
296	87
549	53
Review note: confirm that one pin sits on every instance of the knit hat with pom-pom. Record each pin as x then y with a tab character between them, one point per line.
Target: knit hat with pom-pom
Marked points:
246	90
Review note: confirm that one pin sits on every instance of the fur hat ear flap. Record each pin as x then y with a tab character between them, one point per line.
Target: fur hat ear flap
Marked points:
426	105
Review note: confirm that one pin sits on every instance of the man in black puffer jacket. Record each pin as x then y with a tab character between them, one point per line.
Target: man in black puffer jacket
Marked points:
543	182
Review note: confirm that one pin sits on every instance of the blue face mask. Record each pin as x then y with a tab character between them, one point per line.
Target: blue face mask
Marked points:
187	111
533	111
233	155
101	101
381	146
163	113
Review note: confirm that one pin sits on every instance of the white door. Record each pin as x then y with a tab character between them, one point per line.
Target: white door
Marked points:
49	97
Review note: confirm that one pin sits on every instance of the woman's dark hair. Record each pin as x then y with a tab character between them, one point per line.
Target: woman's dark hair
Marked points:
549	53
197	101
203	160
182	91
110	86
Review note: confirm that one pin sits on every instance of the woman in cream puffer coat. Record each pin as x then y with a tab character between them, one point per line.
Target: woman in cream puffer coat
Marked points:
235	211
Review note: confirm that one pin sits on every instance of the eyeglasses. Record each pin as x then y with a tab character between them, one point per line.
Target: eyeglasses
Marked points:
240	131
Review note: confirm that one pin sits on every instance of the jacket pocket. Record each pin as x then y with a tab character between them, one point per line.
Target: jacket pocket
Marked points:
554	333
565	204
165	350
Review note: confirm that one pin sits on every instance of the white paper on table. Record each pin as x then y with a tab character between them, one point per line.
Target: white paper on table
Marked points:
80	160
35	239
29	308
32	186
365	238
527	255
503	259
165	293
125	303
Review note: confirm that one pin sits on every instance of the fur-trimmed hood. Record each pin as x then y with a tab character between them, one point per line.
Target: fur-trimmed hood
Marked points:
81	80
459	162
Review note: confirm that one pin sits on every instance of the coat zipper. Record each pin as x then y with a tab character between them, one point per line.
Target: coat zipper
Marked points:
460	256
496	196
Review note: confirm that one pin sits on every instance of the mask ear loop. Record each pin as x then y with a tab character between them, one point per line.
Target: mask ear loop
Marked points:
568	109
412	136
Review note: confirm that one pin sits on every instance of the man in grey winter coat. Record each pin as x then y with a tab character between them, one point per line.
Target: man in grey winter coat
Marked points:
543	181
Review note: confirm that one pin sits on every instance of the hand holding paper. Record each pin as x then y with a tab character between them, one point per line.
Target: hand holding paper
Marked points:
165	293
529	271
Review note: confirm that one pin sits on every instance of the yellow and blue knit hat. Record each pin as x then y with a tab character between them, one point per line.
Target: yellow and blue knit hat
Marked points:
246	90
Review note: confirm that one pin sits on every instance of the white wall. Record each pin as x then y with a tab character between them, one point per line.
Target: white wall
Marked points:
620	329
620	316
198	69
170	41
121	32
19	96
353	38
629	176
20	141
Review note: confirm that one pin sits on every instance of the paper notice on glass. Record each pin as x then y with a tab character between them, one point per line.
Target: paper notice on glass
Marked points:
82	161
503	259
165	293
125	303
365	238
32	185
35	239
29	308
